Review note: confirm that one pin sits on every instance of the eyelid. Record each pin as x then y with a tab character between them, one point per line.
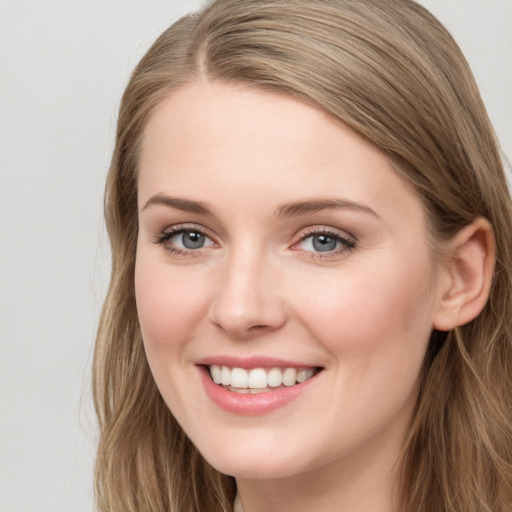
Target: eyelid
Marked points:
178	228
324	229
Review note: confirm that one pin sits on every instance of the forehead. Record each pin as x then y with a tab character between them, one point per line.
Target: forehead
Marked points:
248	146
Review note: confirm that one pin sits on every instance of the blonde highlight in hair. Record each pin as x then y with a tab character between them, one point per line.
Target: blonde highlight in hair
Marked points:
389	70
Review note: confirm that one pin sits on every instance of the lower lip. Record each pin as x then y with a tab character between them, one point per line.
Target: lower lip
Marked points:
252	404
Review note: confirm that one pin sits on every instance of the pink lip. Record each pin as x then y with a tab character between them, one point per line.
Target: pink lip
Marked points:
252	405
249	363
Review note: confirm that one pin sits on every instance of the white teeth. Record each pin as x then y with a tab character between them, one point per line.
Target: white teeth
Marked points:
225	376
239	378
259	378
216	373
289	376
304	374
275	377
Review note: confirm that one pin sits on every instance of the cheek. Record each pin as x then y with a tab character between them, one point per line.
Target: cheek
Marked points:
375	326
169	304
368	313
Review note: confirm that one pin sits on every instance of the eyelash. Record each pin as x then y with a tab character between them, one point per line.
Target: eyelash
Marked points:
346	244
165	236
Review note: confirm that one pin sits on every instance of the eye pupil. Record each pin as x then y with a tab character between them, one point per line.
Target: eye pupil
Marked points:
323	243
193	239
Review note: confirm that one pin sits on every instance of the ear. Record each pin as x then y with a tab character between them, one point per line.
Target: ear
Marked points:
467	275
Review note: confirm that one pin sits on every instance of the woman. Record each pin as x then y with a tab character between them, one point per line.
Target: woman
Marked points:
310	302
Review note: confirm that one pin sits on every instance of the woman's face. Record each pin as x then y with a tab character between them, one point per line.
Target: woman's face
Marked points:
279	252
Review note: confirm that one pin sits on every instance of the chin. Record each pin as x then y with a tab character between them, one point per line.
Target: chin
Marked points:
256	461
253	468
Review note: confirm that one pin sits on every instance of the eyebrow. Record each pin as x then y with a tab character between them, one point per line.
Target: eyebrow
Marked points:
288	210
316	205
178	203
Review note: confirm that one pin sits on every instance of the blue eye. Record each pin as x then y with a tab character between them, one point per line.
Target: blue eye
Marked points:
182	239
189	240
325	242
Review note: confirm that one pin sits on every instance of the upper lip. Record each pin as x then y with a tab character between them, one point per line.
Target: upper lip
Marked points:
249	363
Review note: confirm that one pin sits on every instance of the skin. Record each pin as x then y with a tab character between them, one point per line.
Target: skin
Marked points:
258	287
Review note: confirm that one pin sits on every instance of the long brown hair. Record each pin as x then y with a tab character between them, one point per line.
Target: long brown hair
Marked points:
389	70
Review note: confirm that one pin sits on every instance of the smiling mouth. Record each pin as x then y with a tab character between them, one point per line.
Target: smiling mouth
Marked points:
260	380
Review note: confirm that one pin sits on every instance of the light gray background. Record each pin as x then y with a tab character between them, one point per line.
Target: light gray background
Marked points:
63	68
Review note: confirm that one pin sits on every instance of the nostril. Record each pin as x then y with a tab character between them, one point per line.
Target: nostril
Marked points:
242	331
242	326
258	327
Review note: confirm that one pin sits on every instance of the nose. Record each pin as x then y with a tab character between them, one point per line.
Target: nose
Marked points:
248	301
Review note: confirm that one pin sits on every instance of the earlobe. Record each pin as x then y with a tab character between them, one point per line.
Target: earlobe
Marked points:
467	279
